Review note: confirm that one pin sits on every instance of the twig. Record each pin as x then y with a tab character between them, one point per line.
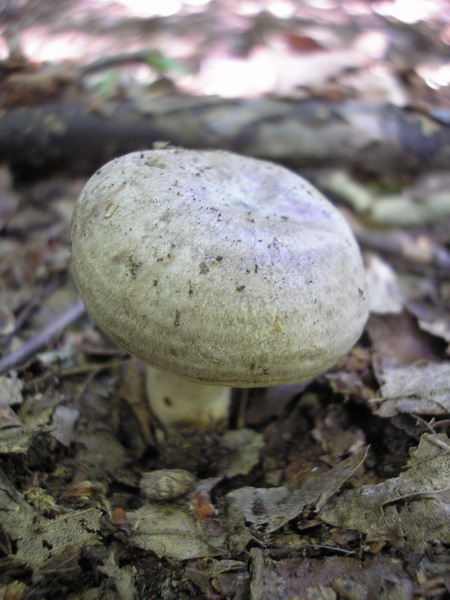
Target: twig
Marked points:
30	306
333	548
105	62
43	338
437	441
74	371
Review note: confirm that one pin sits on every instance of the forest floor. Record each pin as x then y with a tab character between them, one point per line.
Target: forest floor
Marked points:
335	488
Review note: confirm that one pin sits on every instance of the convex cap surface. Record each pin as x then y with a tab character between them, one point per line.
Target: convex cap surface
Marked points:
225	269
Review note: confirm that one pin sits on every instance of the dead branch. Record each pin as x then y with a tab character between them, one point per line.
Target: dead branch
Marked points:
371	139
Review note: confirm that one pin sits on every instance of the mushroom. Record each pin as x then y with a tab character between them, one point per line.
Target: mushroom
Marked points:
218	271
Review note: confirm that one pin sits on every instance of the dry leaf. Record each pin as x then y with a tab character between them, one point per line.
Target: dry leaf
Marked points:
420	389
46	544
384	293
329	579
245	445
407	511
171	531
11	390
271	508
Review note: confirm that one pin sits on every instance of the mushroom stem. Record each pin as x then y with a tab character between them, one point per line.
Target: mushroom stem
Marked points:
178	401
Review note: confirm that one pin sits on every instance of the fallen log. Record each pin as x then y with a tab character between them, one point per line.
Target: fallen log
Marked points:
371	139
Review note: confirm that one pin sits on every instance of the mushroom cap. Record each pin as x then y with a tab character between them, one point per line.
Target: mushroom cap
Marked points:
222	268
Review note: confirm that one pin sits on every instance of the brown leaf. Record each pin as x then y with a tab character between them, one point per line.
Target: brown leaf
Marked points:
271	508
397	340
407	511
420	389
329	579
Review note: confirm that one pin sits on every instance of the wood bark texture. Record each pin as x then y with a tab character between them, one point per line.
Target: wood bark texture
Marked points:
371	139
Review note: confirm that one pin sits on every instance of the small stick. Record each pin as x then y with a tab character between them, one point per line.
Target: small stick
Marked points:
105	62
437	441
43	338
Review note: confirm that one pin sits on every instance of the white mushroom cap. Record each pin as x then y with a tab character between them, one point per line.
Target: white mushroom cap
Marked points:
224	269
